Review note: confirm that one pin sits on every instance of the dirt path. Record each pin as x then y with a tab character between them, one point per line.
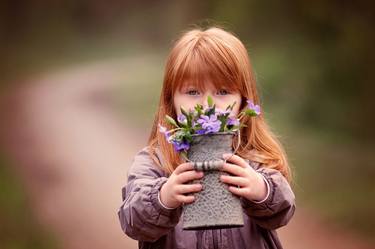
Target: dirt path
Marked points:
72	152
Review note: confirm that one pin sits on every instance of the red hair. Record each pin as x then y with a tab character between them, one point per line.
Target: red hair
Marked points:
219	56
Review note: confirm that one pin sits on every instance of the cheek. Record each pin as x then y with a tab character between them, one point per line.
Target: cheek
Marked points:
186	102
236	108
176	105
229	101
180	100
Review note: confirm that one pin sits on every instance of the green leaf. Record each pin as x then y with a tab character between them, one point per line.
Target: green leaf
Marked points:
171	121
198	106
250	112
210	101
196	128
211	110
184	154
187	115
188	137
199	109
183	111
179	135
223	125
236	127
183	125
230	107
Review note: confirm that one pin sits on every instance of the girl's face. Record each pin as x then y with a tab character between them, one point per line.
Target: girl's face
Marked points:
188	96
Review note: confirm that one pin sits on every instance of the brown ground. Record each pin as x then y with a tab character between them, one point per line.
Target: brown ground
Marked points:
72	152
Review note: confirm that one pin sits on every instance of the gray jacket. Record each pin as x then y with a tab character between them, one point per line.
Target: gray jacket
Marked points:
143	218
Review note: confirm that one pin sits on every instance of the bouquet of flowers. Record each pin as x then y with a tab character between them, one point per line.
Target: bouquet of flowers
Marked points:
202	120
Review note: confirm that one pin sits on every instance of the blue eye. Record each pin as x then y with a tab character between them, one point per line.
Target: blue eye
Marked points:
192	92
222	92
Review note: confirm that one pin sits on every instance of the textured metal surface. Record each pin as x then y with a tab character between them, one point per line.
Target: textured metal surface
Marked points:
215	206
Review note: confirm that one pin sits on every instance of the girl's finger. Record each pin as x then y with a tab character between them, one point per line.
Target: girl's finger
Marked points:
238	191
188	188
236	160
186	199
189	176
233	169
234	180
183	167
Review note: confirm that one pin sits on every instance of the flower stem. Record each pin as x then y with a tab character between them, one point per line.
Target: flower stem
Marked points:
175	129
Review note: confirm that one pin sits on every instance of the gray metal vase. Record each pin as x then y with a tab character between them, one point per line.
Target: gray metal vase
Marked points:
215	206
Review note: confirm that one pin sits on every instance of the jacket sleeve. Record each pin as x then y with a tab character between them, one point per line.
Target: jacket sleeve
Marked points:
278	208
141	214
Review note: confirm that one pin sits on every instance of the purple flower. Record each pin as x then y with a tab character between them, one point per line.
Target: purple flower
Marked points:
180	146
209	124
255	108
221	112
181	118
200	132
164	130
233	121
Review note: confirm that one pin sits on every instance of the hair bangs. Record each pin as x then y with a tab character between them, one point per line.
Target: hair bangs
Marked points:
201	67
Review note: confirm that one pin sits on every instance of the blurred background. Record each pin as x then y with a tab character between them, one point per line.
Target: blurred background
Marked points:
79	85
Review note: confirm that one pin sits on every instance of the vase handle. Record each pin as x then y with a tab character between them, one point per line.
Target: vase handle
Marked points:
238	146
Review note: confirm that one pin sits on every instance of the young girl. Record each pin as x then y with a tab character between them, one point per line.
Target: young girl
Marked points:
208	62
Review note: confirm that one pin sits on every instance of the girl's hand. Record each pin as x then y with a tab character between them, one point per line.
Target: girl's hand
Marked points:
172	193
247	182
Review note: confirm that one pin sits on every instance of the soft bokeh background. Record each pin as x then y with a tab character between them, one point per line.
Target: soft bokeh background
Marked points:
80	82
